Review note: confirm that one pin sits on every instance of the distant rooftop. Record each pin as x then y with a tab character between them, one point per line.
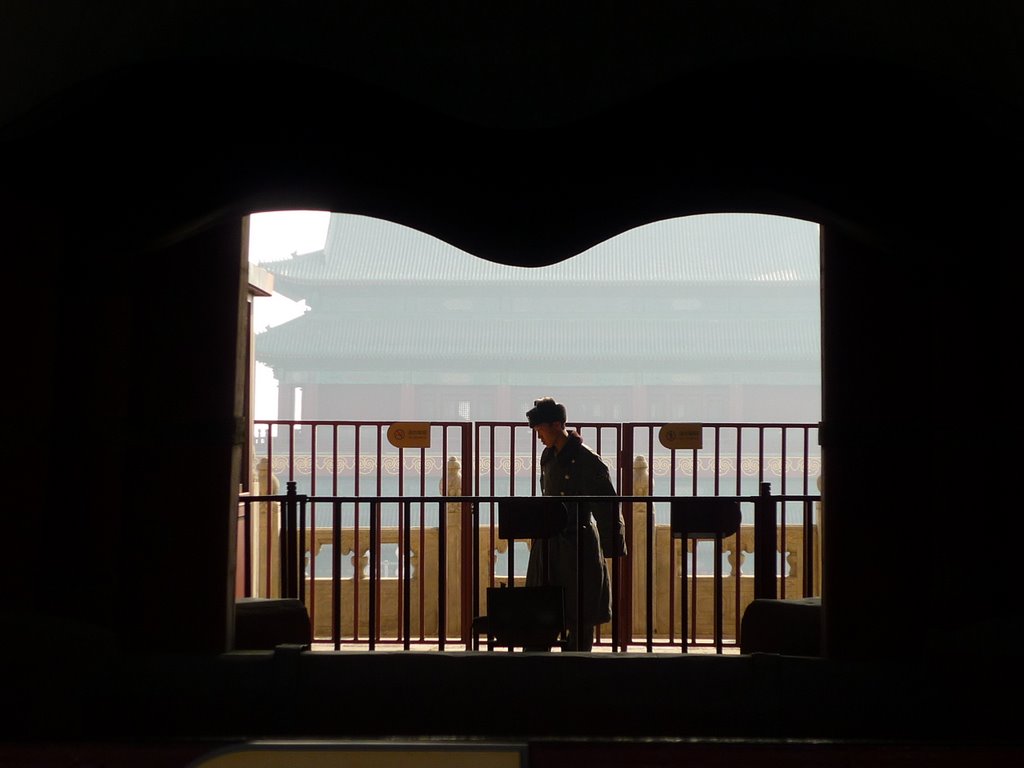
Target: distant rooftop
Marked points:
711	248
367	310
516	341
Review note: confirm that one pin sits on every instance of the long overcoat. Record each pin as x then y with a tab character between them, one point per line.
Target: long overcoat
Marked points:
578	471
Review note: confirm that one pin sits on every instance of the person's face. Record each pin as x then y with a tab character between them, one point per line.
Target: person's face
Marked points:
548	433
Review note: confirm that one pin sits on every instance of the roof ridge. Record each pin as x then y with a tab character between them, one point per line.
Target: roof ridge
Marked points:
704	248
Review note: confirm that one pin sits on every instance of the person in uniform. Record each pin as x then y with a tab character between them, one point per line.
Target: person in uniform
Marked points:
570	468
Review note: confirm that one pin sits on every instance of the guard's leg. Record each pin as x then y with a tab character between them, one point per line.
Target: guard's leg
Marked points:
580	641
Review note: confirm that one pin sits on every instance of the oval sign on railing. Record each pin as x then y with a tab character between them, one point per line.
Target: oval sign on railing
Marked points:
409	434
682	435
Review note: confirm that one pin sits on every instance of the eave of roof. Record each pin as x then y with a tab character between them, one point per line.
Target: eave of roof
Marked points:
711	248
325	338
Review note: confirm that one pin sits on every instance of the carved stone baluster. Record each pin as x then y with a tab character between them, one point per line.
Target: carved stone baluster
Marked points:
267	535
641	487
791	570
746	548
363	566
500	548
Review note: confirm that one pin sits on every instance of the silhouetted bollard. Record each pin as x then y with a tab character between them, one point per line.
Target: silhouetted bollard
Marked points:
764	545
289	543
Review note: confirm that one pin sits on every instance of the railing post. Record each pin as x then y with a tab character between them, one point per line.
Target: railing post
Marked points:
468	541
336	575
373	594
819	536
406	525
289	542
764	544
299	571
246	548
627	488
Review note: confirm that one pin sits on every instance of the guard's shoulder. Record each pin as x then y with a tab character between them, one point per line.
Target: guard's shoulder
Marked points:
592	456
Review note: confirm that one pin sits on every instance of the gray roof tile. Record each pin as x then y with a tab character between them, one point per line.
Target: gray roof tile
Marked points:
316	337
724	247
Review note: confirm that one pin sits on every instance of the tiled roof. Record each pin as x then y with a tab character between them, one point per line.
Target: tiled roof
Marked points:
320	337
708	248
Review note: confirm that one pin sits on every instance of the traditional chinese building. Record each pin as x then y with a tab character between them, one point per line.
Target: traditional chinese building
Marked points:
707	318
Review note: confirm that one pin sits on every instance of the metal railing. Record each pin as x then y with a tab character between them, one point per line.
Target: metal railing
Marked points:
344	474
298	534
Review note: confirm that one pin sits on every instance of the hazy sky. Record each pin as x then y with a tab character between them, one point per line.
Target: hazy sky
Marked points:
274	236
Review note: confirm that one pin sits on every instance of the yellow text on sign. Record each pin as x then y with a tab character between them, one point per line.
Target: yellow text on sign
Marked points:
682	435
409	434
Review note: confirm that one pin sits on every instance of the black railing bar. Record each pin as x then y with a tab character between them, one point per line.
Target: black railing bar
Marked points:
291	453
489	499
423	539
351	422
491	528
357	456
336	575
730	425
403	546
808	553
246	518
442	574
649	571
288	541
495	499
406	576
691	616
739	460
723	424
311	604
358	570
373	577
512	462
719	587
300	559
474	515
335	546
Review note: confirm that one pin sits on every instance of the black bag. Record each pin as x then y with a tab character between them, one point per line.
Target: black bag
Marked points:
525	616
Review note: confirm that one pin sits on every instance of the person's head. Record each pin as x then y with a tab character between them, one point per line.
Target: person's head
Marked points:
547	419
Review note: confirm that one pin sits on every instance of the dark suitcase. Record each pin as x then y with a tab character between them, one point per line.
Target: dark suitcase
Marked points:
524	617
